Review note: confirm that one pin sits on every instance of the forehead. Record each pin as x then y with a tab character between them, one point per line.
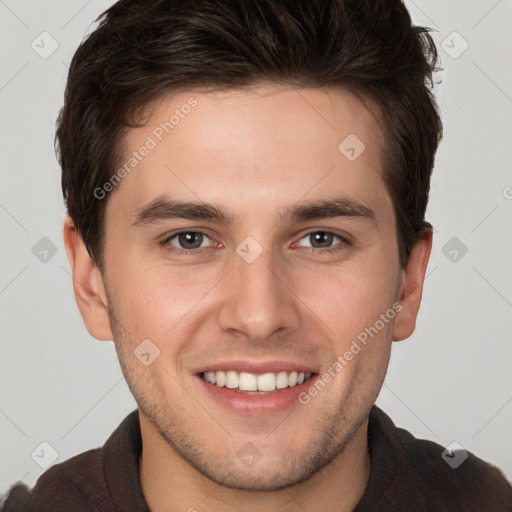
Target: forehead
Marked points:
261	148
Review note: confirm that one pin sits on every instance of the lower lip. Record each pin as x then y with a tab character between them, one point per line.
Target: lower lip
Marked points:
255	404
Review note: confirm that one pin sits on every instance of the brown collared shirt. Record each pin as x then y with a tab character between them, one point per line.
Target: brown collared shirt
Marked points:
407	475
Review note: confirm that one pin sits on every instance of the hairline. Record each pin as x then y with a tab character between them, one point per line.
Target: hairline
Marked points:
137	115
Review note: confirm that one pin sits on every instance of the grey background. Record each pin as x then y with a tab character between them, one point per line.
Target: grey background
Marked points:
450	382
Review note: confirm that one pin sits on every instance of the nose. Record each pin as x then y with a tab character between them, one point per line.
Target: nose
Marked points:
259	301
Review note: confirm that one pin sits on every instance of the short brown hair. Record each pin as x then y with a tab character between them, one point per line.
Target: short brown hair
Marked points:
142	50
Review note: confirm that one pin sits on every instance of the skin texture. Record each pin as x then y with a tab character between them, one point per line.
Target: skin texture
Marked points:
254	153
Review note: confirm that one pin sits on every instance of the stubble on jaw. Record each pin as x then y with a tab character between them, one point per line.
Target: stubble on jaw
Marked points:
328	441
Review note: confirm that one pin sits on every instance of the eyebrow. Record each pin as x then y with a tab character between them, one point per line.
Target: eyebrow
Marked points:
336	207
163	209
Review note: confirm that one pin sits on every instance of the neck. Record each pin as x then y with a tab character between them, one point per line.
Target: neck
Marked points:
170	484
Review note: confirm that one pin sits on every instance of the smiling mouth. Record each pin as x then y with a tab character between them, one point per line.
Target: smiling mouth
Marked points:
252	383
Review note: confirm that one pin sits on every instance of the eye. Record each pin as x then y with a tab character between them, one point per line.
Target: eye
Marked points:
323	240
188	240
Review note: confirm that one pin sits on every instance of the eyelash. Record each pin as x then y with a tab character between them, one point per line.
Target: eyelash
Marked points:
344	242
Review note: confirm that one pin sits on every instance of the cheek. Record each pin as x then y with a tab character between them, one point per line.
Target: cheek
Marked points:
351	296
157	300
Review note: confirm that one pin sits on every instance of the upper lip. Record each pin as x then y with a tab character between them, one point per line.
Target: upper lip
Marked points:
257	367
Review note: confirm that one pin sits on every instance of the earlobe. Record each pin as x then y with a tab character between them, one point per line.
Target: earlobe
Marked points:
411	289
88	285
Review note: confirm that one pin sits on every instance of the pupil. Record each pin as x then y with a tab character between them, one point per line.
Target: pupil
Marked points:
322	238
190	240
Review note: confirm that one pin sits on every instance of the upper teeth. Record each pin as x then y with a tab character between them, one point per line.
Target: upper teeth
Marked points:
252	382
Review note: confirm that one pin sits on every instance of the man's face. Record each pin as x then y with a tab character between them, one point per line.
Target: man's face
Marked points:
275	286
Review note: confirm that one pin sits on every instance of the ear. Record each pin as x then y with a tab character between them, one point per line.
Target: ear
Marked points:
411	289
88	285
